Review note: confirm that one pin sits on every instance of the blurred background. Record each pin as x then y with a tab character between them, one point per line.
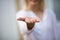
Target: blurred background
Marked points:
8	9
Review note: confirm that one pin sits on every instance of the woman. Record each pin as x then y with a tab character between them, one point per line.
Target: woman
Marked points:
37	22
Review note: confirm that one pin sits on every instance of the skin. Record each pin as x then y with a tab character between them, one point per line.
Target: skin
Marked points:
33	5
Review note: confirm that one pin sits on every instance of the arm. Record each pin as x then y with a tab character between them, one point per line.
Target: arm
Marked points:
55	26
29	23
23	27
21	18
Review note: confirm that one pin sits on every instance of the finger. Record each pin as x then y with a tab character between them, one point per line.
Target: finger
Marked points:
32	20
37	20
27	20
22	19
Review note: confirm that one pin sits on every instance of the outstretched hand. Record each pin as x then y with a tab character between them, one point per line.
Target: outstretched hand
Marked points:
30	22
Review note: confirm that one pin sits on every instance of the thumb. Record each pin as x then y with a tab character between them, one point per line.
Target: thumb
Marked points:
20	18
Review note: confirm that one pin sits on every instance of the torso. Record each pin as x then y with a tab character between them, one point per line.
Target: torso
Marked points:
43	29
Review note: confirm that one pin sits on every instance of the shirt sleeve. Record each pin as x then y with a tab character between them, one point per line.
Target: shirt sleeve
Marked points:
55	26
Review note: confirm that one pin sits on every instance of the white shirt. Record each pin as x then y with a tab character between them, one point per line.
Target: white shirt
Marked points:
44	30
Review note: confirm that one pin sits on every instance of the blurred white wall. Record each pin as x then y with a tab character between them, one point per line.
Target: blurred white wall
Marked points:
8	28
